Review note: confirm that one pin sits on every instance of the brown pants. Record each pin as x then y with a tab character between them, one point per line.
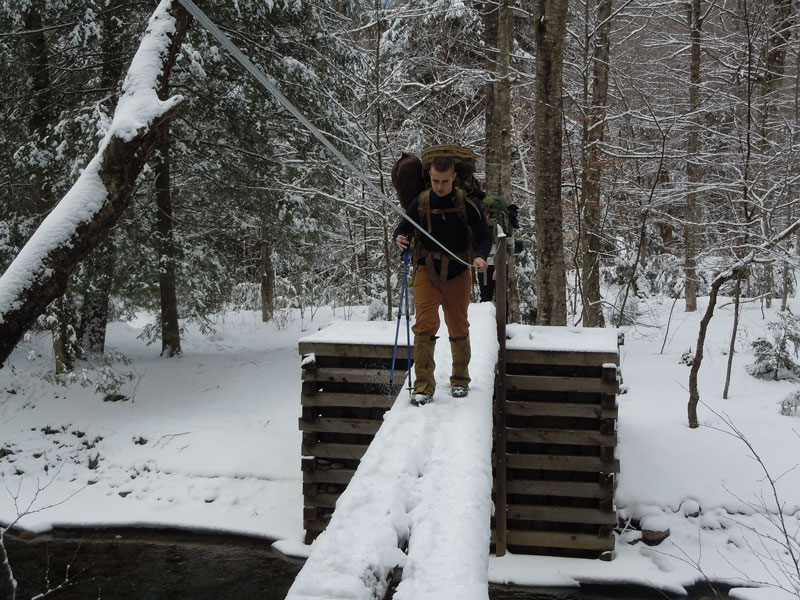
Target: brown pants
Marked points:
453	297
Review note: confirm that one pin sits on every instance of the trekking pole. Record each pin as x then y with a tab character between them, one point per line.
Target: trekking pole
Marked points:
403	296
408	326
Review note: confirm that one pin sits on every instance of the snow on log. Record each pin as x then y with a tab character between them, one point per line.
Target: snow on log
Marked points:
93	205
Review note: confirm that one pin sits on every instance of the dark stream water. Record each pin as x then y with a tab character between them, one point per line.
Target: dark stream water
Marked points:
172	565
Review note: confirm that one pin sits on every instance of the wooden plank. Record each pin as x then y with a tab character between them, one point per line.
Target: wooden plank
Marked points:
558	384
555	539
315	526
562	436
350	375
500	416
340	476
329	450
349	350
573	489
562	463
561	514
560	409
321	501
610	374
334	425
554	357
349	400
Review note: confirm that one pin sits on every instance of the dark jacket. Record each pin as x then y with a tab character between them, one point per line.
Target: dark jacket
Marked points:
449	230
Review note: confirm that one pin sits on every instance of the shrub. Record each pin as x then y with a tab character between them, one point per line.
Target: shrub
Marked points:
775	358
791	404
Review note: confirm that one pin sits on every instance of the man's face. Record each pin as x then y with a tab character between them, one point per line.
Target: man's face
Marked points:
442	181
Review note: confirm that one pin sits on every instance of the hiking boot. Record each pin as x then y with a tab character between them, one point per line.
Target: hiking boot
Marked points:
424	382
459	391
461	356
421	399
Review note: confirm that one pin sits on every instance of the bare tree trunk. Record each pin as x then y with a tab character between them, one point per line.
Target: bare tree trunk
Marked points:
693	170
100	263
64	335
737	271
773	78
491	26
593	170
42	114
378	148
500	31
44	264
694	394
99	273
38	68
267	272
387	260
551	285
732	348
170	328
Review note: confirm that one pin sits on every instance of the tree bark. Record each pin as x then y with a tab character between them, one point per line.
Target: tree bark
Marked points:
773	77
170	328
550	29
491	26
42	114
500	31
267	273
99	273
694	394
593	170
693	171
40	273
101	263
732	347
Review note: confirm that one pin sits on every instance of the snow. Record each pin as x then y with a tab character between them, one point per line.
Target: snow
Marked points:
561	339
138	107
209	441
347	332
426	479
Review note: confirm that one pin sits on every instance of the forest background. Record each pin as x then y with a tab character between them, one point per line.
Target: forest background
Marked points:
679	124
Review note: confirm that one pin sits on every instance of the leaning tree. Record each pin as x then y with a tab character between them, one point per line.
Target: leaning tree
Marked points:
40	272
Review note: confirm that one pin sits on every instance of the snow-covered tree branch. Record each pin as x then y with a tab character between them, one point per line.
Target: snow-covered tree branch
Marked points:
40	272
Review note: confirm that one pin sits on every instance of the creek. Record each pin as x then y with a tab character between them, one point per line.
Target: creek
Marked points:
141	564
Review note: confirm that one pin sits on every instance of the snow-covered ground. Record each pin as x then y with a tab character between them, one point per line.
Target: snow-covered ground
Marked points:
210	440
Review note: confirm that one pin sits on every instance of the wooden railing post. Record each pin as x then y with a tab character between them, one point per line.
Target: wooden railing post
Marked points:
500	396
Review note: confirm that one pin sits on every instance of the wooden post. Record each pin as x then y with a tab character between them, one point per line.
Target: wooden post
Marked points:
500	397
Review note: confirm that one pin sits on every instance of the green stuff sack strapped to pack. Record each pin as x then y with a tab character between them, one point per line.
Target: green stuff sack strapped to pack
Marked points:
504	215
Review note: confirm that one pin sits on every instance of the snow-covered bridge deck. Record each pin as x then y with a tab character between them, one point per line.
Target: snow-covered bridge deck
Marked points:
420	499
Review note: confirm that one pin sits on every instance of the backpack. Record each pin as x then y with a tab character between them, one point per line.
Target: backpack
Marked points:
465	164
421	252
406	176
501	213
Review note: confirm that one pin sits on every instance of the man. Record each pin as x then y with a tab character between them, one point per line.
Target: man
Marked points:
440	279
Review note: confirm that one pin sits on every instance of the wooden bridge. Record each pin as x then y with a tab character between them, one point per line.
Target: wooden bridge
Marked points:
413	488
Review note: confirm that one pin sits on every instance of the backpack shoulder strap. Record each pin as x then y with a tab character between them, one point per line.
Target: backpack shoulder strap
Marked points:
424	208
461	206
474	205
